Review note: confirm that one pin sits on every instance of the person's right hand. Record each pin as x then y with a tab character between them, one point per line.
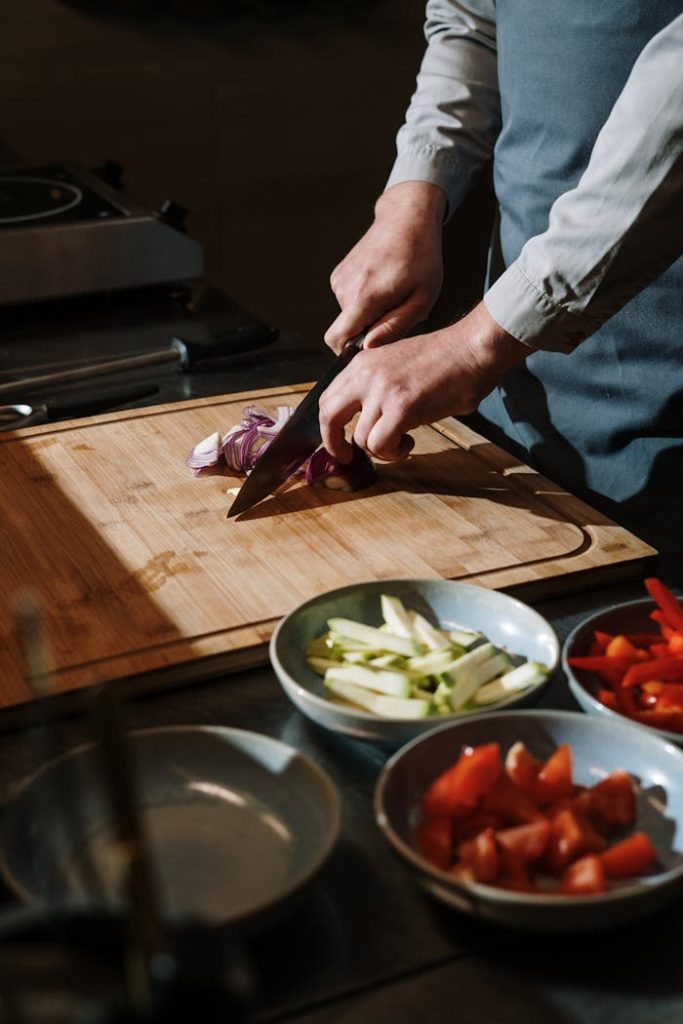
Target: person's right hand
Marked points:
392	277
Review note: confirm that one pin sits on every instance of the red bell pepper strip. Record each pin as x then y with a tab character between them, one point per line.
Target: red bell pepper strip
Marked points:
663	696
643	639
667	602
602	639
663	669
608	698
610	670
664	627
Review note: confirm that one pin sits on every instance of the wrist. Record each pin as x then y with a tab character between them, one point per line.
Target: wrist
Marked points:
494	349
414	200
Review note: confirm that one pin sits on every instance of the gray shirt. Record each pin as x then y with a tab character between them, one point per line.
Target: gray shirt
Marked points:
609	236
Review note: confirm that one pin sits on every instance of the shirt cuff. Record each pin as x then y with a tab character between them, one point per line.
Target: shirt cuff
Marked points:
435	165
527	314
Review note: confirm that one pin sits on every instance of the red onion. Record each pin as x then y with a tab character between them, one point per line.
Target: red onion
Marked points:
243	444
241	447
338	476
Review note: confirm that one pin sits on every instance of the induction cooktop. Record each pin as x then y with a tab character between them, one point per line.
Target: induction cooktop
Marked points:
64	231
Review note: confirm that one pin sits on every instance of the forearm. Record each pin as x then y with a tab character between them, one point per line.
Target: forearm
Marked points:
454	115
622	225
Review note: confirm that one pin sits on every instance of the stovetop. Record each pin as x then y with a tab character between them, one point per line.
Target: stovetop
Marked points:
50	195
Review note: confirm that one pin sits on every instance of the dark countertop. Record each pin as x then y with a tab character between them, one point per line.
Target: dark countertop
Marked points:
364	943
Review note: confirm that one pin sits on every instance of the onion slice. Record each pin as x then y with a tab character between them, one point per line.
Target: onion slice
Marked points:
205	454
243	443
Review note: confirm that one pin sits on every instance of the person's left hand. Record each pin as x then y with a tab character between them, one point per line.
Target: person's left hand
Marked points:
414	381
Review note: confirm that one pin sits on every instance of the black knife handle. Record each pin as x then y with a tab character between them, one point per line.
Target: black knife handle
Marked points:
239	339
355	344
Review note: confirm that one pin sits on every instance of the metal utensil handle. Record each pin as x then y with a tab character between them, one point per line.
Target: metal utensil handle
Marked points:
170	355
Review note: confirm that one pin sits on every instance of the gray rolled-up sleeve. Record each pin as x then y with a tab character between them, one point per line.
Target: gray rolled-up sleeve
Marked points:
620	227
454	115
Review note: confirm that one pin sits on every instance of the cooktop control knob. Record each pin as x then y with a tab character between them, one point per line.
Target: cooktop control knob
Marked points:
172	214
110	172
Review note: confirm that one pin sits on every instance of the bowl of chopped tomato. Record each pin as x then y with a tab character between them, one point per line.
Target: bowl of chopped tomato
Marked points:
627	661
540	820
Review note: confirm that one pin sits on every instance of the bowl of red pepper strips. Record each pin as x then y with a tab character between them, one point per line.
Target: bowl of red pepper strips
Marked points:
547	821
627	661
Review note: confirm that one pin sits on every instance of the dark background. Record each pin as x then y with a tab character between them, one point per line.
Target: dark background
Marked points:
272	122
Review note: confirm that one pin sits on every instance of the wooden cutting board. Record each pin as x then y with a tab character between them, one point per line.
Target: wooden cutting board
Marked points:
141	575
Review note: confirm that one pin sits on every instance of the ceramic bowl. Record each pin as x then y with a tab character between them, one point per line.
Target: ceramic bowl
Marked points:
630	617
598	748
237	823
507	622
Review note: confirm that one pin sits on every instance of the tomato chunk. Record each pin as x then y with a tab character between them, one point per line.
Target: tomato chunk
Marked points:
555	777
434	840
514	872
584	877
571	836
612	801
457	790
481	854
512	804
630	857
528	842
472	824
522	767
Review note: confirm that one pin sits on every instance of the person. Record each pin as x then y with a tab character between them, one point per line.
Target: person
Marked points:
573	358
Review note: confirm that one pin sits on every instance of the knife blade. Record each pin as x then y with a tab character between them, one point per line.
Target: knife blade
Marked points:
296	442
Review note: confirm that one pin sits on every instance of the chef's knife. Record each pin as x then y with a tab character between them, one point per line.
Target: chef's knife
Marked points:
296	442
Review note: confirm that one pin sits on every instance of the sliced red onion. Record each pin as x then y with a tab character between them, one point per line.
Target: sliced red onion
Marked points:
352	476
206	453
243	444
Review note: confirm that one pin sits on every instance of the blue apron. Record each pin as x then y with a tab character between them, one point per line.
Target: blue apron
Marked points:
607	421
